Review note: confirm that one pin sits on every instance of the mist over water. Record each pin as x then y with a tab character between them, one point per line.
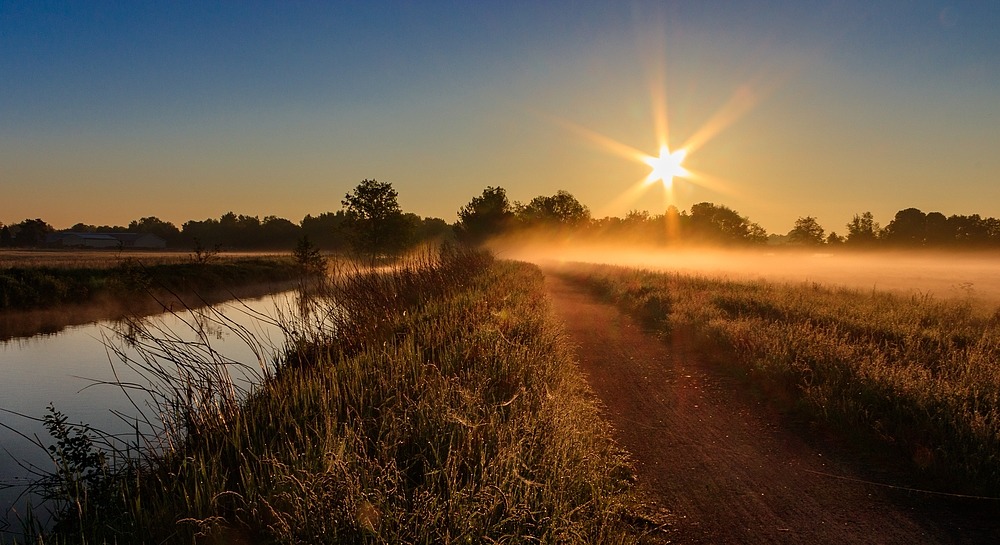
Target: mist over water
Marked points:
942	275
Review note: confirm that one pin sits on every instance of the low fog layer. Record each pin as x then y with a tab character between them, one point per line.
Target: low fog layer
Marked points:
943	275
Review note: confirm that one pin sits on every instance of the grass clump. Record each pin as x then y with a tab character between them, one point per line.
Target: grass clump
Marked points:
919	374
433	402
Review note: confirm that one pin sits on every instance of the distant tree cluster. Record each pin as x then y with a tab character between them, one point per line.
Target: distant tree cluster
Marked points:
371	223
492	214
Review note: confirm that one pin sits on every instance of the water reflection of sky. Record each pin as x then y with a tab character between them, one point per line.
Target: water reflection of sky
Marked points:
64	370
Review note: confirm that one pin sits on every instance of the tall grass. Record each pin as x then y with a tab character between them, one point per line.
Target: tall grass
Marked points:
920	374
433	402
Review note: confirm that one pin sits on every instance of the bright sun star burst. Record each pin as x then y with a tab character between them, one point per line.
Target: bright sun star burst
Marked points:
667	166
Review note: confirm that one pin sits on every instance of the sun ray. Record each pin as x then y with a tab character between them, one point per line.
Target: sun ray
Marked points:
741	101
612	145
625	198
712	183
668	166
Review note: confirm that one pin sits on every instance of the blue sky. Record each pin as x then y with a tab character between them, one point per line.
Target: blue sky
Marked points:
110	111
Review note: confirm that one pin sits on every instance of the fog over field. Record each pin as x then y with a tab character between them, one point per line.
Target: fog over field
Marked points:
942	275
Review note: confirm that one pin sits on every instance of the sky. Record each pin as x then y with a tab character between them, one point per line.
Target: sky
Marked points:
112	111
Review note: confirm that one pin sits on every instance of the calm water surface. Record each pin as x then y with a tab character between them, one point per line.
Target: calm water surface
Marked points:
66	370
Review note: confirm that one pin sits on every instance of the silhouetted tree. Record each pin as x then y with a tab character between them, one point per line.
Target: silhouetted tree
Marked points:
308	258
907	228
833	239
327	230
375	220
433	229
969	230
30	233
561	209
278	232
205	233
992	226
711	222
863	230
937	230
5	236
153	225
81	227
485	216
807	232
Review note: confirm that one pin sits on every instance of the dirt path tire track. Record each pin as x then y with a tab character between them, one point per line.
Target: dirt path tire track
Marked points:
724	464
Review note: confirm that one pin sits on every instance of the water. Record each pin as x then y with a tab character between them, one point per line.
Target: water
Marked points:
71	369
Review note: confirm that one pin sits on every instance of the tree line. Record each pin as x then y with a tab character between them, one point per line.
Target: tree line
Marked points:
342	231
371	222
492	214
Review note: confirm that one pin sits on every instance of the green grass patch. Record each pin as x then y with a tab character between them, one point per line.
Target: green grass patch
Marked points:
919	374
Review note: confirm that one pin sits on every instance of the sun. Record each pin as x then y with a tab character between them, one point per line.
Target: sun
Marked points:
667	166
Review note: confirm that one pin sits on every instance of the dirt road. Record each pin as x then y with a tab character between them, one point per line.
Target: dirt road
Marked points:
726	465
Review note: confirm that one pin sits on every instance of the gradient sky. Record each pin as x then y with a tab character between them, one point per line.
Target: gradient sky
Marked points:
110	111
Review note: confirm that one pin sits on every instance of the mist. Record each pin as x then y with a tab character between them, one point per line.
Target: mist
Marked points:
945	275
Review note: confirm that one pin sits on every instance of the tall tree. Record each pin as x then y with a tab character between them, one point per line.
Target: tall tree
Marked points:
969	230
154	225
485	216
863	230
907	228
561	209
30	233
717	223
807	232
327	230
375	219
937	230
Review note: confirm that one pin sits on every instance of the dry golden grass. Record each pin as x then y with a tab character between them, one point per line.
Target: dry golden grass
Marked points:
103	259
920	374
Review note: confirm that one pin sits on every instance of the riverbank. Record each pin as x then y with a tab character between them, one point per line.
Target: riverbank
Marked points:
33	287
44	292
20	324
434	402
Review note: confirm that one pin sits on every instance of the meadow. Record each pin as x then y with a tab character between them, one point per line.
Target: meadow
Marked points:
910	372
431	402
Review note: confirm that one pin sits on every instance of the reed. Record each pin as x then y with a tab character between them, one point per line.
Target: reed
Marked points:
429	402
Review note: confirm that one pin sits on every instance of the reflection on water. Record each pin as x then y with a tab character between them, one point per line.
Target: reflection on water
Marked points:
77	369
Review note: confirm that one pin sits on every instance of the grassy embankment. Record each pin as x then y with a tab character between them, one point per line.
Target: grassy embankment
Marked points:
47	283
433	403
919	374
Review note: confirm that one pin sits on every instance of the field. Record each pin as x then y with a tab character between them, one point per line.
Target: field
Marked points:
43	280
945	275
434	402
439	401
104	259
913	372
